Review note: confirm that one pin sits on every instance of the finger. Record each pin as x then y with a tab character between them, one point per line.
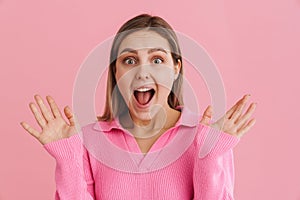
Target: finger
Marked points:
54	108
232	109
207	116
39	118
244	118
240	127
69	115
30	130
47	115
238	111
246	127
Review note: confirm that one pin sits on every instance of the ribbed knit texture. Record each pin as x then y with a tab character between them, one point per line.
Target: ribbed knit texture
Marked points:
201	172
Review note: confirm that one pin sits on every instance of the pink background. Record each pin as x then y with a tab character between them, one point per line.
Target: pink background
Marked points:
255	44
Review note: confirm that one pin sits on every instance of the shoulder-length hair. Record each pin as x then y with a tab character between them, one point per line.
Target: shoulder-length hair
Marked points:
115	104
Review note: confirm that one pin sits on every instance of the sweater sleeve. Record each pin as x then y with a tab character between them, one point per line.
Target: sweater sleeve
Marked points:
73	176
213	175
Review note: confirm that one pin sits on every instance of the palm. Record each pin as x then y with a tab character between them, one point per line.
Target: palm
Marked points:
233	122
53	125
56	129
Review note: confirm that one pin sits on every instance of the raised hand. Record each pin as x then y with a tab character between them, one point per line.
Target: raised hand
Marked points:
234	122
53	125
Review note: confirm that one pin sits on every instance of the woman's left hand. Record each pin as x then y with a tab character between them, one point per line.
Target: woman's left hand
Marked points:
234	122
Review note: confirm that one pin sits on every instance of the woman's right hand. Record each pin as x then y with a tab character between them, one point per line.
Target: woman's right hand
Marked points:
53	125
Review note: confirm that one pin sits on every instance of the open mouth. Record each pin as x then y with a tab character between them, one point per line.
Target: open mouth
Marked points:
144	95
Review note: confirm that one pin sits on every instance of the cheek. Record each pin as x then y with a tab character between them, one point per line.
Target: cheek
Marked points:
118	73
123	73
122	84
124	80
123	89
165	77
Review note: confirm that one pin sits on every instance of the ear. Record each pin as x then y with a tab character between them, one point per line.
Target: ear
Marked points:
177	68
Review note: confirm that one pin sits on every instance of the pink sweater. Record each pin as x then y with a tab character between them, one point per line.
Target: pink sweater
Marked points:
104	162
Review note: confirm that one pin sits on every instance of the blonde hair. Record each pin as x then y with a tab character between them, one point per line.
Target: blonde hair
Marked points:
115	104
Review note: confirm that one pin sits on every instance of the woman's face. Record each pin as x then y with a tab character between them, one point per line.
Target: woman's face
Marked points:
145	73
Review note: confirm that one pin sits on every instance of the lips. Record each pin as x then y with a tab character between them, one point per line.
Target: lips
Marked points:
143	95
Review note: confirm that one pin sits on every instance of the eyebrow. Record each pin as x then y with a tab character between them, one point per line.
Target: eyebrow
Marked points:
149	51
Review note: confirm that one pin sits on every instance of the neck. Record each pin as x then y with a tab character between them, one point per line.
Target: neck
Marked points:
160	122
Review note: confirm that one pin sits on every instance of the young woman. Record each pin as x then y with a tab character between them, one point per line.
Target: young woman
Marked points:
144	114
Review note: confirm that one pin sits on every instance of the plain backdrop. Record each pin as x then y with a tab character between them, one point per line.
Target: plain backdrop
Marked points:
255	45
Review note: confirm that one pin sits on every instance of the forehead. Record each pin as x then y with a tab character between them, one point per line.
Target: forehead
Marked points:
143	40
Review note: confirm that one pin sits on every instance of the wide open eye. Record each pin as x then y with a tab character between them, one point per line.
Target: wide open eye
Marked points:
157	60
129	61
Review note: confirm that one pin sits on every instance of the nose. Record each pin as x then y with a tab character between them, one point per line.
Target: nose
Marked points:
142	73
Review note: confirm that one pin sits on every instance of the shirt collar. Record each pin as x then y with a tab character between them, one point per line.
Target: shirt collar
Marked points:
187	118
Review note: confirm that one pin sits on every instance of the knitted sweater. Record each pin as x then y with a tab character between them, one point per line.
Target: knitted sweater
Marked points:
104	162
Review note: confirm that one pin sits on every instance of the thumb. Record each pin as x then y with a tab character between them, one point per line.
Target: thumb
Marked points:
207	116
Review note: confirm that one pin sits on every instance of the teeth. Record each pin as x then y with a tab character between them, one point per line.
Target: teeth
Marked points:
143	89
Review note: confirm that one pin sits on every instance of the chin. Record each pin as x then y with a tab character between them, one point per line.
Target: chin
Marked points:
144	116
141	115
